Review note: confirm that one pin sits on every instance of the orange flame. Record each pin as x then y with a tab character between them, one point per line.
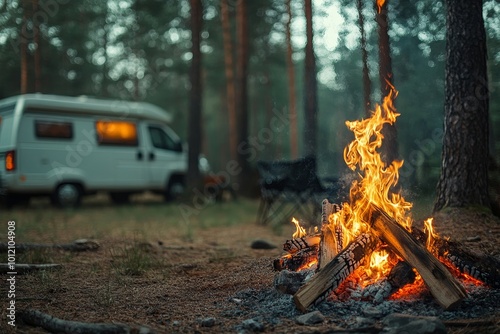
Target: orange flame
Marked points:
431	235
376	181
378	265
300	231
380	4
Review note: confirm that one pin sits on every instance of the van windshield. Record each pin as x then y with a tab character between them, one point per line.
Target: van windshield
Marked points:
6	124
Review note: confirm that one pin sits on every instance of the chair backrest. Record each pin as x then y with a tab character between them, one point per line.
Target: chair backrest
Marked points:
293	175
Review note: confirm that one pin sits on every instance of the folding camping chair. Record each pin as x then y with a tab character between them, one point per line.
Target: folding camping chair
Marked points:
292	188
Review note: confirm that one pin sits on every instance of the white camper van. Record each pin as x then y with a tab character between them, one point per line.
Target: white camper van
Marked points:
68	147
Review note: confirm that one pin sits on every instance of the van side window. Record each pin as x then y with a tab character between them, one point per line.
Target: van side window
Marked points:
48	129
161	139
116	133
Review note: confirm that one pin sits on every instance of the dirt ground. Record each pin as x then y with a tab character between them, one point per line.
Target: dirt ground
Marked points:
170	285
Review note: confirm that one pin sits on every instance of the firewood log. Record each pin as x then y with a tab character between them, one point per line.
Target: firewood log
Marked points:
441	283
331	236
399	276
294	245
485	269
335	272
297	260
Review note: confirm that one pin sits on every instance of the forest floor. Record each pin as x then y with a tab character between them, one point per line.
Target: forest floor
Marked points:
175	283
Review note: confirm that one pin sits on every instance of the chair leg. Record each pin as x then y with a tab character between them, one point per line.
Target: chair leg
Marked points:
266	208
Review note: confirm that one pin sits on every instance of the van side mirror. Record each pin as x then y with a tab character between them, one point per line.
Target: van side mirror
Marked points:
178	147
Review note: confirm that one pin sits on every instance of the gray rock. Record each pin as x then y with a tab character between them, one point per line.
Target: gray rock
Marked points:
364	322
372	312
253	325
310	318
406	324
289	282
262	244
207	322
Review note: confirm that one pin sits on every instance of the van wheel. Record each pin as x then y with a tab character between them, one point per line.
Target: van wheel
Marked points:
67	195
120	198
175	189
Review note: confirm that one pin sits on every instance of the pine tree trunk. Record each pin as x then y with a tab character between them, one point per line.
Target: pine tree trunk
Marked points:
194	130
24	50
229	71
389	149
244	154
367	85
310	82
464	168
294	146
37	55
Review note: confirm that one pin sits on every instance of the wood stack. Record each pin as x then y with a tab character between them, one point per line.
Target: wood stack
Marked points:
336	263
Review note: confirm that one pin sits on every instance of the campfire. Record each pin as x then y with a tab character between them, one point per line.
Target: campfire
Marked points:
370	241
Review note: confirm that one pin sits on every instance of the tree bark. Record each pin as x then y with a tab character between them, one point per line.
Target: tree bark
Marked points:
464	166
229	72
38	54
367	85
244	155
310	82
24	50
389	149
294	146
195	129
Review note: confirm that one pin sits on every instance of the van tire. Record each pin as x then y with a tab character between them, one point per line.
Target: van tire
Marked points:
67	195
120	198
175	188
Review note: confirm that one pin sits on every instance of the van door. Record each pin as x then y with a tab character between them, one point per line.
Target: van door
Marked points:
120	153
165	155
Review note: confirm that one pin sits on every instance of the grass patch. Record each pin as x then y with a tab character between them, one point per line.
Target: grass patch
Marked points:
101	221
134	260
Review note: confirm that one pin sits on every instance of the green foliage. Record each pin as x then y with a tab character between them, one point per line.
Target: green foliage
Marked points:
138	49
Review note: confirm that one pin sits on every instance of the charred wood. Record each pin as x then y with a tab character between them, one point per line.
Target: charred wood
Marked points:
400	275
441	283
335	272
485	269
294	245
297	260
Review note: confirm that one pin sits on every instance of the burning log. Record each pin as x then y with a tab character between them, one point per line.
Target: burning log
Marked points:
400	275
485	269
297	260
331	238
441	283
297	244
335	272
